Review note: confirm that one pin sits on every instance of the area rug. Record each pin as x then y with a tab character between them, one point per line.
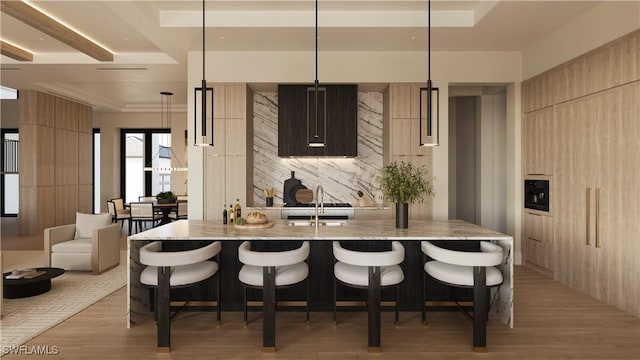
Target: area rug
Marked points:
23	319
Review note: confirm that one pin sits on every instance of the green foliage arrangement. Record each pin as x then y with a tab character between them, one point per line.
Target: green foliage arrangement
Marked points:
404	182
166	195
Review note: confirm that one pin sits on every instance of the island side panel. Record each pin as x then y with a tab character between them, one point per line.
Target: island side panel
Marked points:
138	295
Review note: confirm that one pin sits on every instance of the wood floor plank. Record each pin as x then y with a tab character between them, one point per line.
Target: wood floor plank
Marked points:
552	321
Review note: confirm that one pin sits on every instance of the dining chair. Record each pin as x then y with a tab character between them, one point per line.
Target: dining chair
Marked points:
182	210
142	212
183	269
118	215
371	270
466	269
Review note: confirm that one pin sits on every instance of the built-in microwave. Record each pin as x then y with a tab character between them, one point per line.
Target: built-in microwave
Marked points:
536	194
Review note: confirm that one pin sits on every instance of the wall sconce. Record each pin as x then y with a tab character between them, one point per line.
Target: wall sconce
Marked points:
428	96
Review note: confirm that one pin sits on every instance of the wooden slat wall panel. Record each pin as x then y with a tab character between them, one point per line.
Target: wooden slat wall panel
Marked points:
66	157
66	114
85	199
28	155
85	119
55	157
85	158
66	204
36	108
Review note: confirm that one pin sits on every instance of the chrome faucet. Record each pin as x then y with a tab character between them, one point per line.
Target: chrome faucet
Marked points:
318	190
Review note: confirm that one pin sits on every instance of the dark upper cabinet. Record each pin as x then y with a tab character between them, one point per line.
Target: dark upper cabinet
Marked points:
341	127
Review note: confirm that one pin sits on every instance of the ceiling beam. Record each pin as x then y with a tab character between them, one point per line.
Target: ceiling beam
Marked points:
15	52
43	22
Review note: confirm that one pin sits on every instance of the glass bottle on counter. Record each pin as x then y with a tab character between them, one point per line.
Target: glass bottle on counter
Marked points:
230	213
237	210
224	214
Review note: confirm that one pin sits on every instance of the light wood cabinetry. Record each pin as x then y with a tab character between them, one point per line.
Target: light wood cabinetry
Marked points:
596	202
537	237
537	140
226	170
401	142
595	172
537	93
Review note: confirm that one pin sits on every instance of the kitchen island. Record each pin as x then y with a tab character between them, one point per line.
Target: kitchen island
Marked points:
370	231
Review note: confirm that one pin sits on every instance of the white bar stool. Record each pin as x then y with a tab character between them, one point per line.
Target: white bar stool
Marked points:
372	271
269	271
175	269
466	269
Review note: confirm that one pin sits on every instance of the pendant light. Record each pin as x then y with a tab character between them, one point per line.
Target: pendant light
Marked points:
316	101
429	99
203	103
165	123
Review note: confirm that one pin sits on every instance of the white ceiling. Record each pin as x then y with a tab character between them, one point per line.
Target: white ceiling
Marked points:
151	39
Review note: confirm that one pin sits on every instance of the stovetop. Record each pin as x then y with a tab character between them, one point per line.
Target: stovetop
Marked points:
342	205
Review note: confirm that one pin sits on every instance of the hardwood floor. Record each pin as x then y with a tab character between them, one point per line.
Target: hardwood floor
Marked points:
552	321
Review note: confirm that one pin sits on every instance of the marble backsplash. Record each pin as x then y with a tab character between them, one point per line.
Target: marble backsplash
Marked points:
341	178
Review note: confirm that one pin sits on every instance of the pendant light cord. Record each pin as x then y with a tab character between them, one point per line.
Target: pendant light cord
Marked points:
316	81
429	39
204	82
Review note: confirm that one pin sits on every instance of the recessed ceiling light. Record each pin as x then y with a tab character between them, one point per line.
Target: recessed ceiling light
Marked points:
413	37
221	37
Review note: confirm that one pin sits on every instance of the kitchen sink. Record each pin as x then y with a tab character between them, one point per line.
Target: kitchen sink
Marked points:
313	223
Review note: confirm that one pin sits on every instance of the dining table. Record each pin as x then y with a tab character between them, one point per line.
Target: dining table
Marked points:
165	209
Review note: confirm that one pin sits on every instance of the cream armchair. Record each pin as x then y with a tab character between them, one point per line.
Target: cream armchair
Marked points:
92	244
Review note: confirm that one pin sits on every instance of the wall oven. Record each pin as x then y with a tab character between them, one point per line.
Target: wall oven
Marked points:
536	194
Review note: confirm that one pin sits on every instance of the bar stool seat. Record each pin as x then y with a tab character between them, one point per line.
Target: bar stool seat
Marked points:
459	275
181	275
285	275
359	275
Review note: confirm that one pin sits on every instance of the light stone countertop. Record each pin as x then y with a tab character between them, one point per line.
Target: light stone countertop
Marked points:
351	230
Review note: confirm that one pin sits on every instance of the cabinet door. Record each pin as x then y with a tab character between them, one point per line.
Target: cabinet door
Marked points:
538	237
629	210
572	201
537	140
616	211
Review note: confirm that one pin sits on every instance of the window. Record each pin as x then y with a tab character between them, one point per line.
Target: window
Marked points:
96	171
145	148
10	179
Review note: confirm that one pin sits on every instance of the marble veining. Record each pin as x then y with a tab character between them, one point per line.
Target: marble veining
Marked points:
340	178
